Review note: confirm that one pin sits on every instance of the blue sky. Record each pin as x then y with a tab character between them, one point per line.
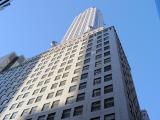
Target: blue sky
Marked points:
28	27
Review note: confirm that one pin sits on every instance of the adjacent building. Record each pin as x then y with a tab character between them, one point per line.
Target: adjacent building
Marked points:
4	3
145	115
85	77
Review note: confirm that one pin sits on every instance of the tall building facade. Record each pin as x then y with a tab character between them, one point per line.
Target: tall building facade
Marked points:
158	6
4	3
85	77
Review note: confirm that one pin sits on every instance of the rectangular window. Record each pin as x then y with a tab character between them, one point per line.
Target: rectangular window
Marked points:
66	113
106	48
97	81
78	110
98	56
107	60
57	77
108	89
109	102
96	106
38	98
87	61
45	106
33	110
86	67
96	92
59	92
13	116
82	85
20	104
107	77
70	100
62	83
106	53
54	85
41	117
55	104
80	97
30	101
84	76
77	70
65	75
74	79
72	88
98	71
96	118
51	116
43	89
50	95
107	68
99	63
25	112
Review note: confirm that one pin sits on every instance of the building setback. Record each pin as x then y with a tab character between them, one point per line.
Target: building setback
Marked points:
85	77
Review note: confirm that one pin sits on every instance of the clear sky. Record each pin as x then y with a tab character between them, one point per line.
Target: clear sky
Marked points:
28	26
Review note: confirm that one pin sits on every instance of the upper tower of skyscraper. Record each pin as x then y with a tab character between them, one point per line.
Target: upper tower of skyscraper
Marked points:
85	21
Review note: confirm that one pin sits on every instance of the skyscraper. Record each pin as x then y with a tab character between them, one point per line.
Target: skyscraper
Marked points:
85	77
158	6
4	3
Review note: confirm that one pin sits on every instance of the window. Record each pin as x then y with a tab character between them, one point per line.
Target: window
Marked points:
86	67
88	55
96	106
97	81
25	112
13	106
106	48
38	98
44	76
72	88
25	95
70	100
59	92
30	87
54	85
77	70
107	77
41	117
65	75
63	64
6	117
79	64
78	110
106	53
96	118
30	101
70	61
99	45
107	60
35	91
55	104
106	42
84	76
82	85
57	77
40	83
47	81
109	102
74	79
108	89
80	57
109	116
20	104
46	106
13	116
68	67
99	63
51	116
80	97
33	110
50	95
96	92
107	68
62	83
60	70
43	89
98	71
66	113
19	97
98	51
72	55
24	89
87	61
98	56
